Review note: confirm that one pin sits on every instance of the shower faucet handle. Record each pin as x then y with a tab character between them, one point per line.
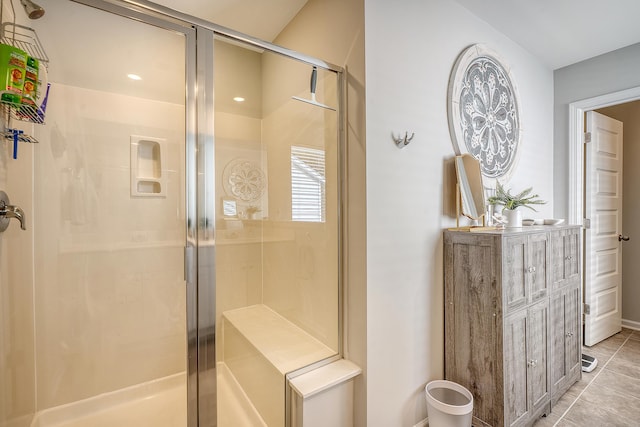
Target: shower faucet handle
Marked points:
8	211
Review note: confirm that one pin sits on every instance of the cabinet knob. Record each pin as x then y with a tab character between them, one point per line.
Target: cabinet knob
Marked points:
531	269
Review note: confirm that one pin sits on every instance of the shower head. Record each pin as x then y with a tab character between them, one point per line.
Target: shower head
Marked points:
312	101
33	10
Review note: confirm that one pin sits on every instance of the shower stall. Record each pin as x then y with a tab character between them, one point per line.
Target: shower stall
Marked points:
181	262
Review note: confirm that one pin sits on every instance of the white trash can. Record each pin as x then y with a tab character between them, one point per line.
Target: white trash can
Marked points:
448	404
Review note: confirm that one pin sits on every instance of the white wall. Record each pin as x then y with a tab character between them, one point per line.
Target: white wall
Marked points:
410	48
612	72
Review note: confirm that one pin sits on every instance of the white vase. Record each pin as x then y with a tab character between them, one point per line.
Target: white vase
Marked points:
513	217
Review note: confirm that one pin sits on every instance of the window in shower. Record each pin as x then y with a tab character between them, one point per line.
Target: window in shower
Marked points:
307	184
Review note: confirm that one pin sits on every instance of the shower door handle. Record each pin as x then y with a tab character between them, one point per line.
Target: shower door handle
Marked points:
188	263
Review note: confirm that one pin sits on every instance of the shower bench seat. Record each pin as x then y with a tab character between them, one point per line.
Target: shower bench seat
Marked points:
260	347
284	345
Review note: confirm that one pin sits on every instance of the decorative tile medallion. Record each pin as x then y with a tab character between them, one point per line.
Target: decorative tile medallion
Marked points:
243	180
484	117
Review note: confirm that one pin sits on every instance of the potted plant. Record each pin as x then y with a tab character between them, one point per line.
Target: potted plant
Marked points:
512	202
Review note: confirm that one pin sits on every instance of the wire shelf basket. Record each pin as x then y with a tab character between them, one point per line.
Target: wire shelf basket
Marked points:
26	112
24	38
21	137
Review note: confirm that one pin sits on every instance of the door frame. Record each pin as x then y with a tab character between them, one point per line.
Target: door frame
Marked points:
577	112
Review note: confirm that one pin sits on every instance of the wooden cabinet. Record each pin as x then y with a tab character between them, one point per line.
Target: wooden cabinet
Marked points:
504	318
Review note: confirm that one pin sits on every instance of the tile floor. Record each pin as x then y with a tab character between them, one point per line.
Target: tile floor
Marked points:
610	394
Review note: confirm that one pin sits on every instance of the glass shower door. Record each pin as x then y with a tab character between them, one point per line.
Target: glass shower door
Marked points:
110	221
276	204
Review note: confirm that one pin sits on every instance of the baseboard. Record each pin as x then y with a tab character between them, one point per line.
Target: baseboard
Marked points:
630	324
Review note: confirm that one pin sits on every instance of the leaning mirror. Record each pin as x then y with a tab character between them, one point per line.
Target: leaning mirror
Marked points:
470	195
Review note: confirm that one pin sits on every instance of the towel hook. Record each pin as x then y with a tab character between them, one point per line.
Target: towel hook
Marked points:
401	141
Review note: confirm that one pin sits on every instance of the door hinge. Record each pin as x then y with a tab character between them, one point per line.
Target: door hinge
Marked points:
586	223
587	137
586	309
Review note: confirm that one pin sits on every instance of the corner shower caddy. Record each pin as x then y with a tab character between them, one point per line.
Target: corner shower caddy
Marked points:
24	38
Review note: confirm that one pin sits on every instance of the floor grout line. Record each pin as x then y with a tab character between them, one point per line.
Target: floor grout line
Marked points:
592	380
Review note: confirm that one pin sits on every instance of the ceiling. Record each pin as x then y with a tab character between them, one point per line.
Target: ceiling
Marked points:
562	32
261	19
558	32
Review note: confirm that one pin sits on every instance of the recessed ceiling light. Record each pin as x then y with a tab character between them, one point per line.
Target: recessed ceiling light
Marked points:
134	77
238	99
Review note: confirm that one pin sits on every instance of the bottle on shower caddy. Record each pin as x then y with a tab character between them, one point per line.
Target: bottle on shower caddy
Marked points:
13	64
30	89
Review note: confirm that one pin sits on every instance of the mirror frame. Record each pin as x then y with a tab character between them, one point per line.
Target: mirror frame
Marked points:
470	199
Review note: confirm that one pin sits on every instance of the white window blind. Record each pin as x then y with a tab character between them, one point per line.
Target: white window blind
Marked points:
307	184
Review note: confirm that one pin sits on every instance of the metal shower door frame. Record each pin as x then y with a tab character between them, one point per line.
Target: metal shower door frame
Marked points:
200	177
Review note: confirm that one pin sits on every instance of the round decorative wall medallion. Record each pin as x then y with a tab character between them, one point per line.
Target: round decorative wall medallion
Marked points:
243	180
483	109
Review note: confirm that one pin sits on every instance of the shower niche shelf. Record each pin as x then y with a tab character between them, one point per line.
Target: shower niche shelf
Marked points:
148	178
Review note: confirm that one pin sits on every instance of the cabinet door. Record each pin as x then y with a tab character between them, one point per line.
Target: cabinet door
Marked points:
537	355
571	245
557	261
514	277
559	333
525	278
564	256
566	353
515	369
526	370
573	345
536	268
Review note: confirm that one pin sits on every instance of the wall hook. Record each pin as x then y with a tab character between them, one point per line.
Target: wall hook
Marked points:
402	141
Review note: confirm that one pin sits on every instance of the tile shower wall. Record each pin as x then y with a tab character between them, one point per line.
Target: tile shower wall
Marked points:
109	285
17	353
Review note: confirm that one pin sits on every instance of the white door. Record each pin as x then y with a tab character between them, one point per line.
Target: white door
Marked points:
603	206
